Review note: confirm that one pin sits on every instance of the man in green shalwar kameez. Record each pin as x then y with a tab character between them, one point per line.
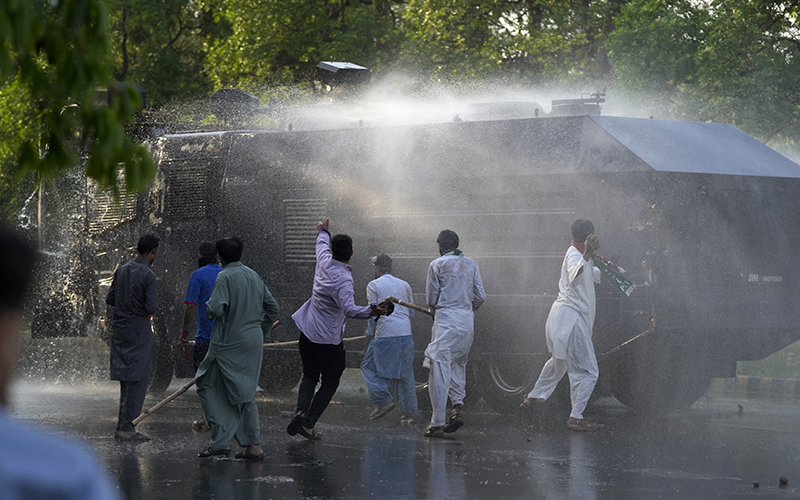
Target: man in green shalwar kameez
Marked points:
243	310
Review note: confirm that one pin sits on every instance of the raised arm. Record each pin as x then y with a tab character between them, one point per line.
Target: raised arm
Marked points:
323	248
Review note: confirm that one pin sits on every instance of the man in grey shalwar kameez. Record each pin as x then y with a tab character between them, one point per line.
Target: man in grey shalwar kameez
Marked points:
244	310
134	296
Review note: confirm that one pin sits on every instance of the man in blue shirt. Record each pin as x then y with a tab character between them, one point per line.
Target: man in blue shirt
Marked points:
197	294
33	464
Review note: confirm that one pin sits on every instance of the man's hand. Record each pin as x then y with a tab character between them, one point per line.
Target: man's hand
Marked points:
324	223
592	244
385	308
388	305
183	334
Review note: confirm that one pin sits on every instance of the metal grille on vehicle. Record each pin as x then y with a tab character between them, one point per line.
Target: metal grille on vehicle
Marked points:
300	218
187	190
104	211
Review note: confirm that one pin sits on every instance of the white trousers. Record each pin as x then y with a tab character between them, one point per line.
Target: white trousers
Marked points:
581	365
446	379
446	358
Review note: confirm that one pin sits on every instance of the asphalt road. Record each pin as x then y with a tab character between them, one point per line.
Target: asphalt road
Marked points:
709	451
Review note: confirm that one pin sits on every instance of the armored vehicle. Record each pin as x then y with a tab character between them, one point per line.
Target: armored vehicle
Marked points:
701	216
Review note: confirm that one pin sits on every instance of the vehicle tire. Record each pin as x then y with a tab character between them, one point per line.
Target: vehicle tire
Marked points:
423	395
163	366
280	373
669	381
421	381
504	382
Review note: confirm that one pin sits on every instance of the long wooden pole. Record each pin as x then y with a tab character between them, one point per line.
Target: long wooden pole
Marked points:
162	403
410	305
188	385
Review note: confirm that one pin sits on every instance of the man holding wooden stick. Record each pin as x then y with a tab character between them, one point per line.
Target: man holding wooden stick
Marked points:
243	311
321	321
134	296
455	290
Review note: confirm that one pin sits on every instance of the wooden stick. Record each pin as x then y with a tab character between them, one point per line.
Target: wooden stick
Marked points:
190	384
162	403
295	342
410	305
179	391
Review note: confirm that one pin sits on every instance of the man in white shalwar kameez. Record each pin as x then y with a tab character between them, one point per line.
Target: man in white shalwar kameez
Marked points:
454	290
569	329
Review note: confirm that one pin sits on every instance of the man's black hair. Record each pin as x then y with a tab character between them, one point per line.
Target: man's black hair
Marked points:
342	247
17	260
581	229
147	243
207	254
448	240
230	249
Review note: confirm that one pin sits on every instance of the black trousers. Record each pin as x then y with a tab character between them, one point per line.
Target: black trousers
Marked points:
131	399
327	361
199	354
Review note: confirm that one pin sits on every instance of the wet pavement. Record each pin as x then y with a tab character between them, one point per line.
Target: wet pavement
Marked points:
707	452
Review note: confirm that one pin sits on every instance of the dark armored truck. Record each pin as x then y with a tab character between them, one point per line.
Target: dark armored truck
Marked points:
701	216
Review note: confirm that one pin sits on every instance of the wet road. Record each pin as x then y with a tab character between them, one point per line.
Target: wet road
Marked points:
706	452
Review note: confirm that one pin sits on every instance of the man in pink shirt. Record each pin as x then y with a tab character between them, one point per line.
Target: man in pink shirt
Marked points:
321	321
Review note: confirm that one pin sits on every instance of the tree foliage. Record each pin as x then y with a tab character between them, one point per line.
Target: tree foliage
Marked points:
729	61
164	44
55	54
281	41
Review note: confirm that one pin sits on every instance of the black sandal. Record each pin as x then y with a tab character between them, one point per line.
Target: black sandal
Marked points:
245	454
213	452
434	432
455	423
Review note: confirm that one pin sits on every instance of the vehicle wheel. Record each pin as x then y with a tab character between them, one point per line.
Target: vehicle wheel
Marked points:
662	383
421	381
163	361
506	381
280	374
473	389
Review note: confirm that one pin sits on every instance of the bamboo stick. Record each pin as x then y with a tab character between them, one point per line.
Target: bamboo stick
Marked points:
411	306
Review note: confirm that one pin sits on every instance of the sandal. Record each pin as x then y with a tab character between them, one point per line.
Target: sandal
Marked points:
455	422
212	452
245	454
576	424
434	432
135	437
529	404
309	434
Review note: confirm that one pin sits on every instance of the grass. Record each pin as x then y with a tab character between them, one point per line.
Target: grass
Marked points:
782	364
